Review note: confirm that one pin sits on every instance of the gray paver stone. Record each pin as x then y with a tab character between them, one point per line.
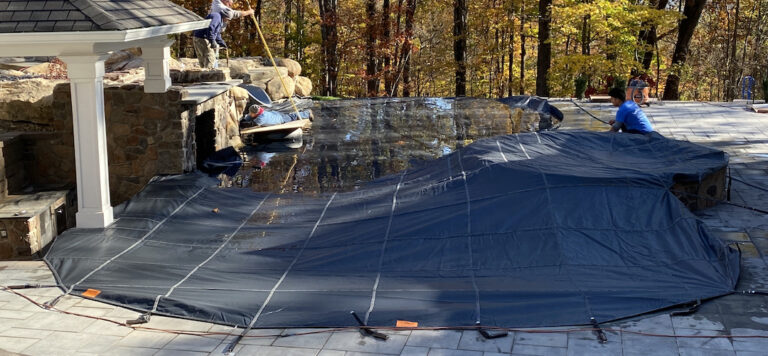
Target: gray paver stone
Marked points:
256	350
194	343
750	344
702	343
472	340
167	352
542	339
415	351
15	344
147	339
453	352
586	343
132	351
353	341
443	339
259	336
686	351
331	353
648	345
535	350
309	341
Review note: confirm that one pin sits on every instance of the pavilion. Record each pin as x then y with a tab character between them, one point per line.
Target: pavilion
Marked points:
82	33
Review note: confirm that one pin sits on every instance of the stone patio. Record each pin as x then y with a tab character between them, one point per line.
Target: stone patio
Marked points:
29	330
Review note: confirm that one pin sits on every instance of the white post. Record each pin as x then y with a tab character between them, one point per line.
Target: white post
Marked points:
86	75
156	53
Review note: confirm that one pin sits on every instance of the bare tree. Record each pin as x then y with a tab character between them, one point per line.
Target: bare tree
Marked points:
692	13
370	48
460	45
544	57
330	40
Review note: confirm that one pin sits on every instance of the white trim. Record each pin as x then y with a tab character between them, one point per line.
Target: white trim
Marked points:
37	38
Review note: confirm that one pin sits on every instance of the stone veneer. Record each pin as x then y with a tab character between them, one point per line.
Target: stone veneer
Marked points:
148	134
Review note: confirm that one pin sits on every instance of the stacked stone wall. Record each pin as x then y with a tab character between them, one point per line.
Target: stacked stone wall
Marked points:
148	134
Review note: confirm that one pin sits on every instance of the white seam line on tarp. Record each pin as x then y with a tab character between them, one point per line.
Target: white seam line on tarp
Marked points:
383	249
295	259
521	146
501	151
469	240
135	243
167	294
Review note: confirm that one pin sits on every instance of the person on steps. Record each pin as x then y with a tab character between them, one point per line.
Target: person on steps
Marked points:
207	41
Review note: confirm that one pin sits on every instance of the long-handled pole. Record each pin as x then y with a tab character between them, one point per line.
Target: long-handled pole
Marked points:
269	53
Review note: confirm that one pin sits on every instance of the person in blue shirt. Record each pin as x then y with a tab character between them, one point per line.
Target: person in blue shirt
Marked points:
257	116
630	118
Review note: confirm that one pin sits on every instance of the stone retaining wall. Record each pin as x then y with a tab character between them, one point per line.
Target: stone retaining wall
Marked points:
148	134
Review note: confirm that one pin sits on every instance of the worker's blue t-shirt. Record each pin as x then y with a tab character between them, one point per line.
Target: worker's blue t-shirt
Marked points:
633	117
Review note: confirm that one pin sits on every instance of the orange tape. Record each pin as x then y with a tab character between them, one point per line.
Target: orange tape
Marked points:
91	293
406	324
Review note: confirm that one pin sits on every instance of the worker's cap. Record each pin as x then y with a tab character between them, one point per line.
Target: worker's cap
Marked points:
617	93
256	109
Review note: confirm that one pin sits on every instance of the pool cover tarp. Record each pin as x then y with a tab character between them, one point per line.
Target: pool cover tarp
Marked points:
538	229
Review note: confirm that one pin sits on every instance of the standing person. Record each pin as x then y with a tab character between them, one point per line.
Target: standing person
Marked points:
208	40
630	118
224	7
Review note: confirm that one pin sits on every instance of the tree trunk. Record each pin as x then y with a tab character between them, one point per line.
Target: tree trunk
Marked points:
585	35
692	12
300	42
544	57
370	49
650	37
287	28
460	45
732	66
330	41
385	42
405	56
522	47
257	11
511	49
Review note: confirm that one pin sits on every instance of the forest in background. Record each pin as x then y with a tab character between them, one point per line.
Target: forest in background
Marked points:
691	50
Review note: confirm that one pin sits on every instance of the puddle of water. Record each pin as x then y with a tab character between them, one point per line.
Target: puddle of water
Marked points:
355	141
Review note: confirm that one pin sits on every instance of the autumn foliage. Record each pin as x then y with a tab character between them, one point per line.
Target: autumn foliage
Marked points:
408	47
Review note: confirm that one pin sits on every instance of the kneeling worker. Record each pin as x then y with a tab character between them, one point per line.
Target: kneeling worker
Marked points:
257	116
630	118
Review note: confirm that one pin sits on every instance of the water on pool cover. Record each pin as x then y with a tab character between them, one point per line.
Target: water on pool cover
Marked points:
355	141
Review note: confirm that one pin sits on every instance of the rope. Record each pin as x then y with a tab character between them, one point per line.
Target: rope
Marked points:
589	113
327	329
749	184
271	59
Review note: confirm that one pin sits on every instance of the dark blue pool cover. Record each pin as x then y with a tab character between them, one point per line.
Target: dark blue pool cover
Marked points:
523	230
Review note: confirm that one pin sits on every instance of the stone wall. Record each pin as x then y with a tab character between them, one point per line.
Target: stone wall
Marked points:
148	134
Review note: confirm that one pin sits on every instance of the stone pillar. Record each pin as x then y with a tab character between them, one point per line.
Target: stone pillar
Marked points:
156	53
86	75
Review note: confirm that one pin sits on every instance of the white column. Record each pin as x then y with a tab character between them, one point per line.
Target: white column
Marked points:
156	53
86	75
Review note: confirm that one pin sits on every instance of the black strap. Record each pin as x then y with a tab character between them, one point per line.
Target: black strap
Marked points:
366	331
692	309
598	331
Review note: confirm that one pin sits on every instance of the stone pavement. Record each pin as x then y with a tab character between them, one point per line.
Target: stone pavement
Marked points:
29	330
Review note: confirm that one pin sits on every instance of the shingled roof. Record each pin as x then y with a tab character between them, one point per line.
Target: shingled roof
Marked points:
18	16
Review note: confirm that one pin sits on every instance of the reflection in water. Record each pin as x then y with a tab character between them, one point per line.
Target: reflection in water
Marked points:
355	141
